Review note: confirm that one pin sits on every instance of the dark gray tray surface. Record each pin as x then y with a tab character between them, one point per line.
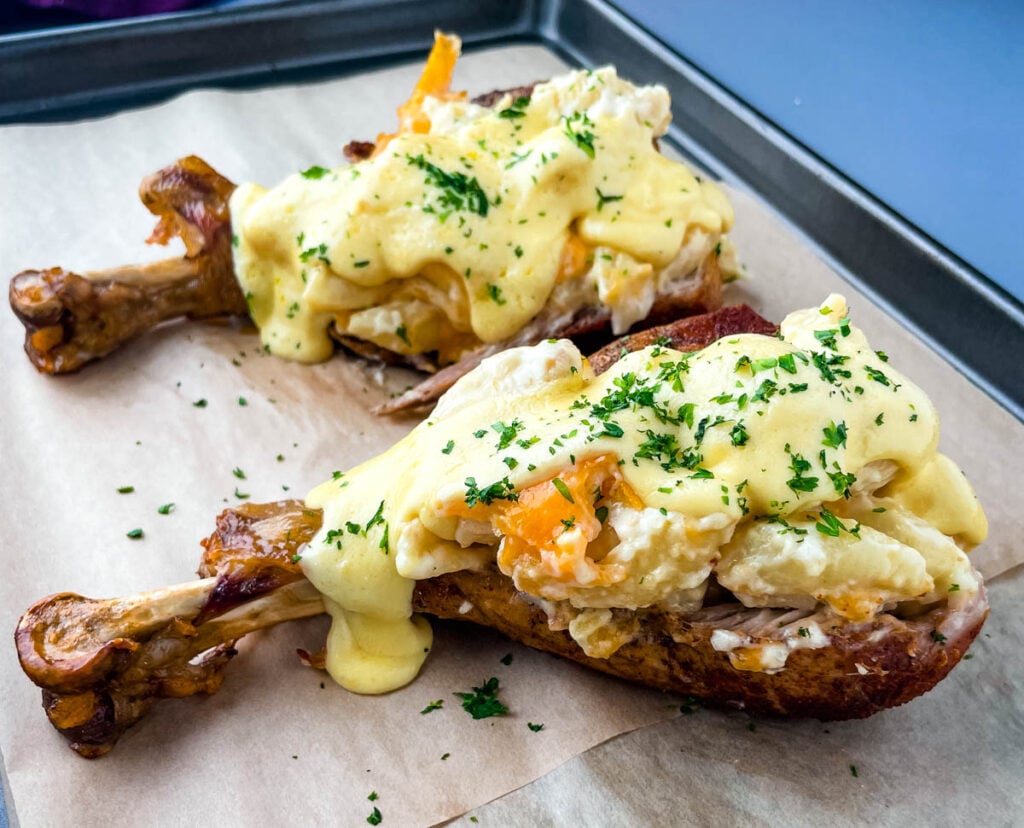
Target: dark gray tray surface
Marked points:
81	72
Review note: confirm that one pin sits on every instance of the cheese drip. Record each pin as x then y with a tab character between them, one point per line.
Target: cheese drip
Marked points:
458	236
785	466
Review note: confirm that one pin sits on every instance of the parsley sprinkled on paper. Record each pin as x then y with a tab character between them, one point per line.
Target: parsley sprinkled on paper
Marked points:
134	534
125	489
165	509
432	706
536	728
483	702
375	817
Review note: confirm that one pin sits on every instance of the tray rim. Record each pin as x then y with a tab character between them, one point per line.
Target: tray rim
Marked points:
936	299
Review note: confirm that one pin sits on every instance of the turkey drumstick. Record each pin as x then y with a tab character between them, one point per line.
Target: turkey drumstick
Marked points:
72	319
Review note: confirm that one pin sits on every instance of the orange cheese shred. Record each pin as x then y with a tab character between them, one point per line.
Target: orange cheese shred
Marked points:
435	81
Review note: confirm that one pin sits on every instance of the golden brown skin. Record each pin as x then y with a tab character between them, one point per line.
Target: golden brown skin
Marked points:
71	320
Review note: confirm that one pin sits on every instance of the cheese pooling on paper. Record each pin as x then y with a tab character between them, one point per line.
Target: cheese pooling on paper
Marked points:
461	235
799	470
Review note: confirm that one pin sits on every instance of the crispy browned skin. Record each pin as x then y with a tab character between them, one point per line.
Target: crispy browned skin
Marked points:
103	664
71	320
688	334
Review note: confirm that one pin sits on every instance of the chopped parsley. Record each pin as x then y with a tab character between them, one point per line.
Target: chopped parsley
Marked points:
402	334
829	524
315	172
241	495
483	702
237	472
201	403
536	728
125	489
799	482
494	294
449	446
134	534
577	132
506	659
499	490
603	199
318	252
516	109
835	435
165	509
432	706
375	817
506	433
457	191
563	489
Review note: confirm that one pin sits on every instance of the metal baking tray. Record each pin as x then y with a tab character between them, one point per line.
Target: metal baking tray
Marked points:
83	71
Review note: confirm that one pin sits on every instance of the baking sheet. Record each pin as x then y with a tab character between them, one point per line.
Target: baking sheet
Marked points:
273	745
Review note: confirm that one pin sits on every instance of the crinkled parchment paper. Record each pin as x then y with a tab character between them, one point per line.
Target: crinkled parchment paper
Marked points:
274	746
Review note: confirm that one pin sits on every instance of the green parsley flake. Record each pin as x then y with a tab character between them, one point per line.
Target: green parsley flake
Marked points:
536	728
500	490
603	199
315	172
375	817
200	403
125	489
432	706
237	472
563	489
457	191
483	702
165	509
575	130
449	446
494	293
134	534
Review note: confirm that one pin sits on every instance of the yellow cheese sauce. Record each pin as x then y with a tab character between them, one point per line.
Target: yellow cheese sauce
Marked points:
463	234
787	467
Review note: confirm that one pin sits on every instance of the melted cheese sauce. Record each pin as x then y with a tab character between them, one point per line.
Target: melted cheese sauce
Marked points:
459	236
785	466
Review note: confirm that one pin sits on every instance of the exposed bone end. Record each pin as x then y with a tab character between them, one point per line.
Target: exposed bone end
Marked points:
191	200
102	664
71	319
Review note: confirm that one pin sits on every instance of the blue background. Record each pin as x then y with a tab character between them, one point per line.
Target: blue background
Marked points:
921	103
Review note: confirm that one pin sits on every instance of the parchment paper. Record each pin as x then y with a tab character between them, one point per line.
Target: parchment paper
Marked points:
273	746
